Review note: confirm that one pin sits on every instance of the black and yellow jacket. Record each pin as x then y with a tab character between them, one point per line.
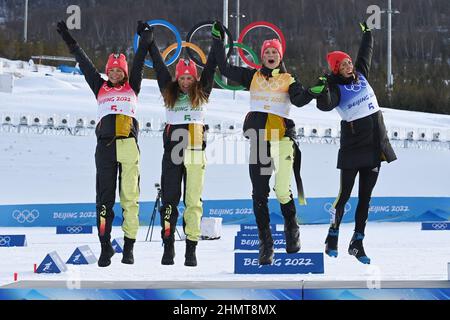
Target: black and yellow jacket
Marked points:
113	125
196	132
257	120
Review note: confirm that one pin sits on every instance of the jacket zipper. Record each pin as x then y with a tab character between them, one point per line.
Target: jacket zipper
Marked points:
351	126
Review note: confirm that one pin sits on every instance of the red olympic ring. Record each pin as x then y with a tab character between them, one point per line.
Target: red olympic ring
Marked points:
254	25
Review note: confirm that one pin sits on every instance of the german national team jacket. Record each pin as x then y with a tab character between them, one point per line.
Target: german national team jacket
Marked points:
116	104
271	95
183	115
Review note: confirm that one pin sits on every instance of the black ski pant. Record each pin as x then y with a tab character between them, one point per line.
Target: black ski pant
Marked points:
261	166
183	160
367	180
117	158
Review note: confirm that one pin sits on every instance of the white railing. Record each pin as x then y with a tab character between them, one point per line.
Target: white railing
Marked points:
310	134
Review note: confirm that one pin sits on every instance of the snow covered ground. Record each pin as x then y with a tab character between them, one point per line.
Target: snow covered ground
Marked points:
399	251
60	169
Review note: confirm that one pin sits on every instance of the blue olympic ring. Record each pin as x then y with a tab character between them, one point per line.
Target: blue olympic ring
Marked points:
172	28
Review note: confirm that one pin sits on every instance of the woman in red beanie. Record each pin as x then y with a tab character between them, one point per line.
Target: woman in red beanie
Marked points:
184	157
363	144
117	130
272	137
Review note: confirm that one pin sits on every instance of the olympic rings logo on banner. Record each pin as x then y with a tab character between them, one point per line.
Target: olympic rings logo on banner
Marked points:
330	209
439	226
25	215
190	47
5	241
75	229
356	87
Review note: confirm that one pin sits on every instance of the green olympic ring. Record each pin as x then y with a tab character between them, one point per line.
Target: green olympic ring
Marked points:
255	58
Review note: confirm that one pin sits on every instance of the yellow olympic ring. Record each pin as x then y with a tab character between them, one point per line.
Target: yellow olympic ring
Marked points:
194	47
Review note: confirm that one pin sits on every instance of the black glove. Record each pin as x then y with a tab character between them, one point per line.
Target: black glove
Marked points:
140	27
319	88
218	31
62	29
364	27
145	31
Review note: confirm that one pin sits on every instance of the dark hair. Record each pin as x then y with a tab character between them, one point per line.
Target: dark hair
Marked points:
196	94
120	83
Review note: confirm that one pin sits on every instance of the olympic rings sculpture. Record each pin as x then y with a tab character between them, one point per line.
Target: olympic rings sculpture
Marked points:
172	28
190	47
197	27
218	79
187	45
255	25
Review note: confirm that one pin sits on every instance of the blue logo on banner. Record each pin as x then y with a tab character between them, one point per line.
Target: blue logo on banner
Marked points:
13	240
252	243
255	234
117	244
253	228
441	225
73	229
283	263
236	211
82	255
52	263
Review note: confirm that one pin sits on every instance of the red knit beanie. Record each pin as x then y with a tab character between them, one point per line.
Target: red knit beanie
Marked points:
272	43
185	66
116	60
334	60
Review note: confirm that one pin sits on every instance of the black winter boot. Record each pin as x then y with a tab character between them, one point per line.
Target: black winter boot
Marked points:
169	251
106	254
190	258
127	255
265	246
291	228
292	236
331	242
169	216
356	248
